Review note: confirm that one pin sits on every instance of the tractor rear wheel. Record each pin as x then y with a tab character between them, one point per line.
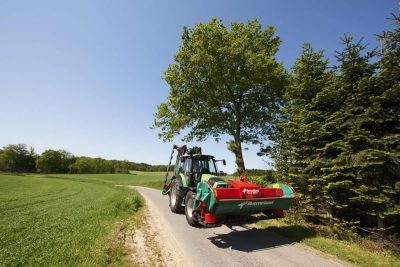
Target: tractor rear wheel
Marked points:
175	198
192	217
273	214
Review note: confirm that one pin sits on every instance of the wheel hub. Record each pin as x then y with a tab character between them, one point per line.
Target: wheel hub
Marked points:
190	208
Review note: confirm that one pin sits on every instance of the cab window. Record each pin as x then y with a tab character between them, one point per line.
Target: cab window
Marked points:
204	165
186	165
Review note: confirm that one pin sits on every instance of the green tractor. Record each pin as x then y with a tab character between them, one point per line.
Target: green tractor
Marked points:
196	189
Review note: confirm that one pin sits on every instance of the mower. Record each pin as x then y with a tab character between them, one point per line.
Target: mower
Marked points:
207	199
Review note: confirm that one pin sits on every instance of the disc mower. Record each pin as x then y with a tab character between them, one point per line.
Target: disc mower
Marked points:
196	189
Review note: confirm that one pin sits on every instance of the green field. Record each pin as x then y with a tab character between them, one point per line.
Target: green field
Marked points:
148	179
66	220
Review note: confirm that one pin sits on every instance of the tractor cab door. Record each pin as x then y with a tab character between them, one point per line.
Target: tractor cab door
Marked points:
186	170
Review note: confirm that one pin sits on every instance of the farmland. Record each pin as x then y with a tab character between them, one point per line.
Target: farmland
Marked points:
66	220
148	179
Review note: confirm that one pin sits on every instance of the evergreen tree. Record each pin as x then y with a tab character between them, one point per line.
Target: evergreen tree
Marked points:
337	169
374	138
301	134
339	142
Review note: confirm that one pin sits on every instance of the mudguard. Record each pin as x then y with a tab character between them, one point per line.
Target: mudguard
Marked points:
178	179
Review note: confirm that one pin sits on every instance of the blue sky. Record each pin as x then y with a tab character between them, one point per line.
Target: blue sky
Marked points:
86	76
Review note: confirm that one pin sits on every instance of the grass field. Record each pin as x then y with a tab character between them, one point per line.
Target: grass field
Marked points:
66	220
148	179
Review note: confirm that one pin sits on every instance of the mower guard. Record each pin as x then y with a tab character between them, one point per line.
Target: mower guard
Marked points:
241	198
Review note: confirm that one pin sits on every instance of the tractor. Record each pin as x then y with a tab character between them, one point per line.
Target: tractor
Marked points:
196	189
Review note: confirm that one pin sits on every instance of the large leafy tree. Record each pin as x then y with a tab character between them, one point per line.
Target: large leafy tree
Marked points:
224	81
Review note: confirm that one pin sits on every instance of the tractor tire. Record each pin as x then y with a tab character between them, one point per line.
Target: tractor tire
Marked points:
175	198
191	217
273	214
269	214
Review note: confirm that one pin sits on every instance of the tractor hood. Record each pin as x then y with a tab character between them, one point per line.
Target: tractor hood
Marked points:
206	176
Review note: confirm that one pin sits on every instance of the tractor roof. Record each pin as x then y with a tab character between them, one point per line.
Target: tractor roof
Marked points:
199	156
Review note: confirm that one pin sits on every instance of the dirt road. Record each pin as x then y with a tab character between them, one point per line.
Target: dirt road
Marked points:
225	246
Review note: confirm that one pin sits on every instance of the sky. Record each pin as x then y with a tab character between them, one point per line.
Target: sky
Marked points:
86	76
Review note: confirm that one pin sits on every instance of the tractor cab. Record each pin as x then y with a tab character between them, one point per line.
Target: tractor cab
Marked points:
204	164
192	168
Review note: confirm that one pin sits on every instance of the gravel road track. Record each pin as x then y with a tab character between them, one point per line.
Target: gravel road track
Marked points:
223	245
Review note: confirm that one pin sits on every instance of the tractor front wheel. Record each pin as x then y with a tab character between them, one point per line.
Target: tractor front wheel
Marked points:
192	217
175	198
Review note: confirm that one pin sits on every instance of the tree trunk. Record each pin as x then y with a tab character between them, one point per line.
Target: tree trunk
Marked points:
236	147
380	223
239	158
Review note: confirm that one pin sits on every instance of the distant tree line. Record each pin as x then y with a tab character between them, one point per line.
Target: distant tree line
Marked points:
22	158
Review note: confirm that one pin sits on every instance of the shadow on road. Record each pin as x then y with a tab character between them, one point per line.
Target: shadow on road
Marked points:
252	239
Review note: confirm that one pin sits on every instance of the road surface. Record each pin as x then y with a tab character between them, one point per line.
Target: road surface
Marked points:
226	246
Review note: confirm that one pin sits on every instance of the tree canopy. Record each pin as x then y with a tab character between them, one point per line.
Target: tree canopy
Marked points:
224	81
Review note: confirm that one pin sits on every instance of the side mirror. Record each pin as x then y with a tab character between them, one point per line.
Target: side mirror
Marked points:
223	162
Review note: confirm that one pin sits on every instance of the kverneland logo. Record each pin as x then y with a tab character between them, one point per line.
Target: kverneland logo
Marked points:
259	203
250	191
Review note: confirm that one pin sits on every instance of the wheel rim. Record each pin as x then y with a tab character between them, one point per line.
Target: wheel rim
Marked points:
173	196
189	208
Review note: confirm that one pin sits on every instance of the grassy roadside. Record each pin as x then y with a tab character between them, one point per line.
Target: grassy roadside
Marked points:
53	221
343	250
132	242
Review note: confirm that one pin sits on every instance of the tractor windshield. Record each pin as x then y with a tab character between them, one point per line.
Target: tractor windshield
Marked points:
204	166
